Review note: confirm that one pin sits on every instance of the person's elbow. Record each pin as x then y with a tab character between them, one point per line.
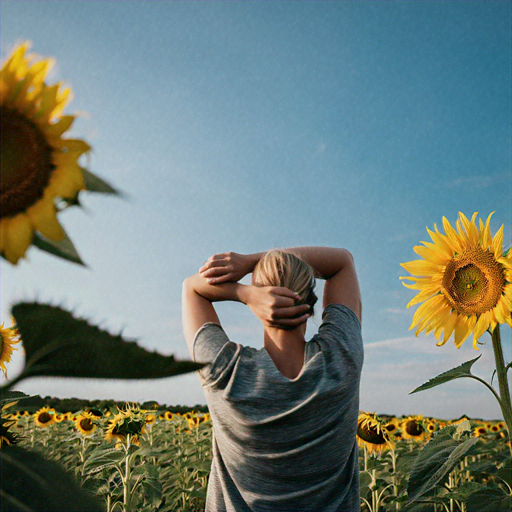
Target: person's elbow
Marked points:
188	285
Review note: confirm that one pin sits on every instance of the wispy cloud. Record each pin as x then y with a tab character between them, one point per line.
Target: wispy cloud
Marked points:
480	181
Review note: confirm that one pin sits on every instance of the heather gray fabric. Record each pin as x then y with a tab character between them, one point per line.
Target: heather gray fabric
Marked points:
281	444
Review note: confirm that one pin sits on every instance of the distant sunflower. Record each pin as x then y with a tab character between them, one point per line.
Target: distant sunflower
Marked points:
431	427
44	417
38	165
168	415
85	423
8	337
413	428
193	422
465	281
150	419
128	422
371	434
480	431
392	427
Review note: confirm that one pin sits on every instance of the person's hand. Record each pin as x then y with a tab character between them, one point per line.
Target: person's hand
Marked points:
226	267
275	306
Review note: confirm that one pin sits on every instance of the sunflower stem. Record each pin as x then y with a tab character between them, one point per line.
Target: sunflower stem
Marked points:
491	389
505	402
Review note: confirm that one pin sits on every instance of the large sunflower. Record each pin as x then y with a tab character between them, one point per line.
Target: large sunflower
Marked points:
8	338
465	281
38	165
371	433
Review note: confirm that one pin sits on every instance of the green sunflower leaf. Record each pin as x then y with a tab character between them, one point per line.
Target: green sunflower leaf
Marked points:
437	459
37	484
101	459
57	344
489	499
94	183
63	249
464	370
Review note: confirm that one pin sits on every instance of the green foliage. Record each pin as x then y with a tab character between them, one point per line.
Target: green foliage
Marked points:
35	483
57	344
463	370
94	183
63	248
432	466
489	499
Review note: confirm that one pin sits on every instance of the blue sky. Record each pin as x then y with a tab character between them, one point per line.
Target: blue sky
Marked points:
235	125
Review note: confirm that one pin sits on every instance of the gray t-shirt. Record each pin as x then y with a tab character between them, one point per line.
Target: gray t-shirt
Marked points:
284	444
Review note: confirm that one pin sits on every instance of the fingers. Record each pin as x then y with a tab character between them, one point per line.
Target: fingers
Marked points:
291	313
225	278
281	291
215	271
217	260
290	323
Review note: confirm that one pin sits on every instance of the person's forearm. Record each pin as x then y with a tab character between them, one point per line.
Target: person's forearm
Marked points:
219	292
326	261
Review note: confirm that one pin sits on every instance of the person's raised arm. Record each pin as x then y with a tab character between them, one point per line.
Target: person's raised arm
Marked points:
274	306
337	267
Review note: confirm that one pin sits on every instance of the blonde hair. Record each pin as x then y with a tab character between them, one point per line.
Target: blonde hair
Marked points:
280	268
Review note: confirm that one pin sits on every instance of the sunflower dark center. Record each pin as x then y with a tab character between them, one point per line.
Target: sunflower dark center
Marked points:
26	162
413	428
86	424
44	417
390	427
473	281
371	434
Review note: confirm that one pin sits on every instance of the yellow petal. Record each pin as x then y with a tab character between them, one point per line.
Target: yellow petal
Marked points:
480	327
497	242
462	331
61	126
76	145
452	235
421	267
449	326
420	297
441	241
432	256
43	216
16	234
470	228
427	309
48	102
486	233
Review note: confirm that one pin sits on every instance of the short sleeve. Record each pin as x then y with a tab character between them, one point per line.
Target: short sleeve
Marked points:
212	347
341	329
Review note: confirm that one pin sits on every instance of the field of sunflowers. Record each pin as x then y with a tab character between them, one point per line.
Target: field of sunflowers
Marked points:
135	459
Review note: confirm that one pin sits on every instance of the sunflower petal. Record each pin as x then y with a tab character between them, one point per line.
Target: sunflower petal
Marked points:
17	234
497	243
432	256
462	331
452	235
43	216
420	267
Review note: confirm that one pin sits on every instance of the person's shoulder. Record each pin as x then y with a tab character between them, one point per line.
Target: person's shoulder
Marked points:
340	314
